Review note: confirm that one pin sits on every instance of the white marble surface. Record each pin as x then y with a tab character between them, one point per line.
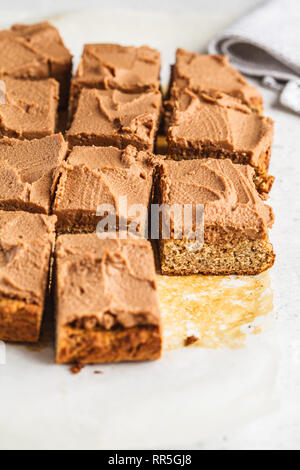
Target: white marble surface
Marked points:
220	400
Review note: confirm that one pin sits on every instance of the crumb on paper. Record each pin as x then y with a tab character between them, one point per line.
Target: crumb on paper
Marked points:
190	340
76	368
98	372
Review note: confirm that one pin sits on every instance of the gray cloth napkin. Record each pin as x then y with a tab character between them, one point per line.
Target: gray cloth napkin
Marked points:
266	43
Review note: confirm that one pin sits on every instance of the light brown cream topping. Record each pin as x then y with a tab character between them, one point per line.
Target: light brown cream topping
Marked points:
114	113
26	241
30	108
101	175
105	283
31	51
29	171
217	120
232	206
213	73
132	69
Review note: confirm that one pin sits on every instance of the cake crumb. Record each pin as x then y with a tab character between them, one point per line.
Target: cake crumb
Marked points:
98	372
76	368
190	340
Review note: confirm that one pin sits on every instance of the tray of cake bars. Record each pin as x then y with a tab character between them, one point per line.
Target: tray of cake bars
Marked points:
134	221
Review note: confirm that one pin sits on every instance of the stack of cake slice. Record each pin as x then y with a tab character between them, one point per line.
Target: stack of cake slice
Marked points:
116	104
219	148
115	112
35	74
36	52
212	112
111	312
115	98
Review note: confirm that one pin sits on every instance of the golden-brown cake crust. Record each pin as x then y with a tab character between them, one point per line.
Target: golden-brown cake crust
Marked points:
90	347
246	258
19	321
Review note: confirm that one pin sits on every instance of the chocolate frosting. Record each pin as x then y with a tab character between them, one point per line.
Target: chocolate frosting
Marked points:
26	241
220	121
32	51
133	69
115	116
212	73
101	175
30	108
105	283
233	208
29	171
